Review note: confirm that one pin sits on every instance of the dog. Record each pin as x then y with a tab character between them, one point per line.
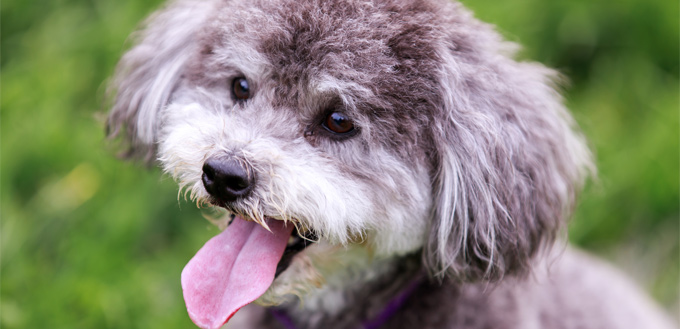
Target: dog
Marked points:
378	163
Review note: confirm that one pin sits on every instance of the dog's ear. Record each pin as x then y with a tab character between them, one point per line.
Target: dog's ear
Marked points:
147	74
508	161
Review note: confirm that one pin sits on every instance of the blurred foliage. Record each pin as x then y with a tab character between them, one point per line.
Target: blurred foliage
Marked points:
89	241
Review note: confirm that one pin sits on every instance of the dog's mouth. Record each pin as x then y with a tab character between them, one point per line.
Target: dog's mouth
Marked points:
296	243
237	266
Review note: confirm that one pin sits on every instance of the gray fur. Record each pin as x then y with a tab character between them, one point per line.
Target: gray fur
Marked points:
517	162
149	72
565	294
465	165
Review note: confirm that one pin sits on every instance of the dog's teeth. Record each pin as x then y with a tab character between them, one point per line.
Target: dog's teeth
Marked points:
293	240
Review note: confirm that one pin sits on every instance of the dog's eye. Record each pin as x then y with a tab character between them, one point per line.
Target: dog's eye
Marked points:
338	123
240	89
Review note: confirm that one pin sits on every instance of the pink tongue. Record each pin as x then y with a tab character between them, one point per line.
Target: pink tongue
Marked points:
232	269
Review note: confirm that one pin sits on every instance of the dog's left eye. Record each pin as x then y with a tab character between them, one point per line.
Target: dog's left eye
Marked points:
240	89
338	123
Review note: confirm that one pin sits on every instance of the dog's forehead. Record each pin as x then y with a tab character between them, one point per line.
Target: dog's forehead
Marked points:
345	41
379	55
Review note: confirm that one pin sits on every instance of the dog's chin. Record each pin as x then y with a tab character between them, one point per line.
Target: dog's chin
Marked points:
309	262
317	266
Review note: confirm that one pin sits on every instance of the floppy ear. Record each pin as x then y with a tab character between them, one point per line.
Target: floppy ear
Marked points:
508	161
148	73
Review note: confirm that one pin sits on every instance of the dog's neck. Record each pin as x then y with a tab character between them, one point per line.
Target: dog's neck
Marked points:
363	293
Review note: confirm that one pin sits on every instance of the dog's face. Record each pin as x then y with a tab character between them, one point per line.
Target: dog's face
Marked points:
316	115
389	127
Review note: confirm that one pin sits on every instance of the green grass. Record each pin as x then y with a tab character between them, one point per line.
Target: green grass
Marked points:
89	241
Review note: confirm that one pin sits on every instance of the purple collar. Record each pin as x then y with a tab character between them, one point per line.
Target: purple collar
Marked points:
390	309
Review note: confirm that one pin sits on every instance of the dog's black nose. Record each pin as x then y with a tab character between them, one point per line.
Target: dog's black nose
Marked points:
227	179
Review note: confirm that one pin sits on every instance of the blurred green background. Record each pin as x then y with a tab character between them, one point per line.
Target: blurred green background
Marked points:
89	241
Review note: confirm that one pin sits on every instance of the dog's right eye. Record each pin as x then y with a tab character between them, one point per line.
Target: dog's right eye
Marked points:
338	123
240	89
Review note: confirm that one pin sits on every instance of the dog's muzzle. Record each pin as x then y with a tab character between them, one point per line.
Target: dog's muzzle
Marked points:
227	179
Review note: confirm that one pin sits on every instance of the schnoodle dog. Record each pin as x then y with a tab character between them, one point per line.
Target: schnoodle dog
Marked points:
379	163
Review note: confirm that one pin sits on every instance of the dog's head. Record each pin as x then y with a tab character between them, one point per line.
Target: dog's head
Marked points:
392	127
